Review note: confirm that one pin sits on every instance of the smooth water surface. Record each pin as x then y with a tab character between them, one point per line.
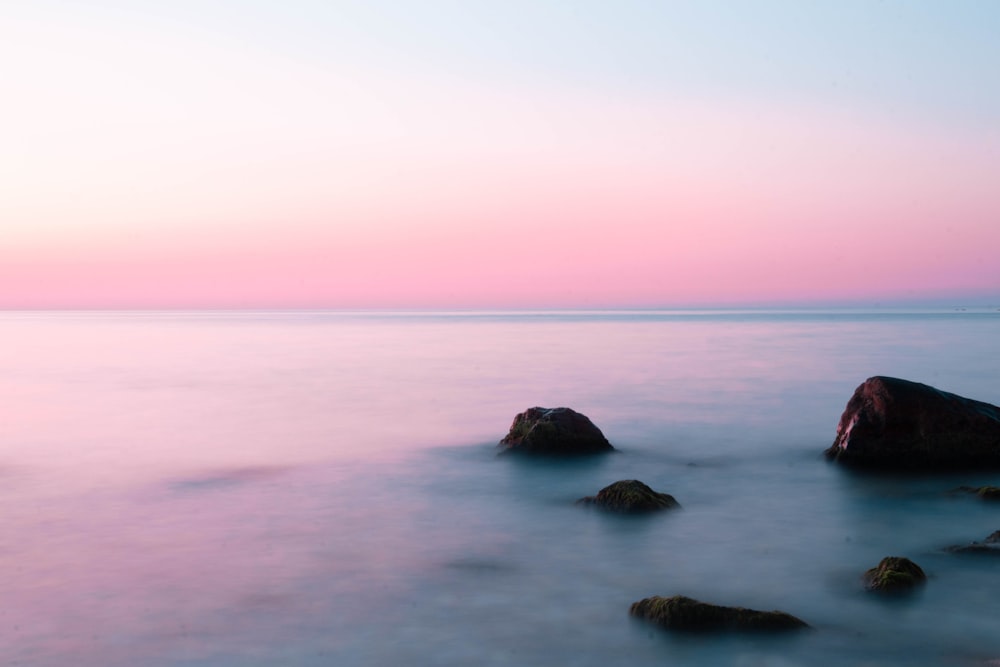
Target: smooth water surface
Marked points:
313	488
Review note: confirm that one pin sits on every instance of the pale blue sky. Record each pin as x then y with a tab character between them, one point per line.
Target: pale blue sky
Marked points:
901	56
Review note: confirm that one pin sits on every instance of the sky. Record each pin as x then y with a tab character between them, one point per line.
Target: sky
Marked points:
465	154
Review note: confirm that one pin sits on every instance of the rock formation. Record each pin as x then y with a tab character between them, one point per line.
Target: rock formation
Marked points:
990	546
984	492
554	432
630	496
894	575
897	424
683	613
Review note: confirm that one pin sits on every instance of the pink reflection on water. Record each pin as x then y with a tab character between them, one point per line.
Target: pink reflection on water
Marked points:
160	484
180	484
232	561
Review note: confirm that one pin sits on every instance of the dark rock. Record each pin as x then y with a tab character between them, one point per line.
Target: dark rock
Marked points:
989	546
630	496
894	575
984	492
683	613
555	431
898	424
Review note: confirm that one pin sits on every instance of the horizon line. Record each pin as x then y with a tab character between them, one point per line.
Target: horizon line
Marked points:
951	306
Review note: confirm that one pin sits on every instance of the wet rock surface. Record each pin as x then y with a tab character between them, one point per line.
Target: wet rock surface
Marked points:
894	574
902	425
689	615
554	432
630	496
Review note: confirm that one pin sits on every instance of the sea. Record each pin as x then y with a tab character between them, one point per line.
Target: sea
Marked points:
251	488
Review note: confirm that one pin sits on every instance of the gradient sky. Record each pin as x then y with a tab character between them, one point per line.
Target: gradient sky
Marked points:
497	154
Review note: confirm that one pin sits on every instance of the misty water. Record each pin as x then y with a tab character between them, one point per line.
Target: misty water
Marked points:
314	488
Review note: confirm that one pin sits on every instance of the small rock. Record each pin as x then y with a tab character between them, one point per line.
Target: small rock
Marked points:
686	614
554	431
984	492
990	546
894	574
630	496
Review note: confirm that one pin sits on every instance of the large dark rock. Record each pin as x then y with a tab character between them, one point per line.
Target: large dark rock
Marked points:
898	424
894	574
990	546
683	613
630	496
554	431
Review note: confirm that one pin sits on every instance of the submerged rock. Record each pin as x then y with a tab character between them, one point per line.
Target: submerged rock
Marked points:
984	492
899	424
630	496
989	546
686	614
894	574
554	431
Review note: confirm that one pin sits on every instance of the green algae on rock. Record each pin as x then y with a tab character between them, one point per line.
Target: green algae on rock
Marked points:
630	496
554	432
686	614
894	574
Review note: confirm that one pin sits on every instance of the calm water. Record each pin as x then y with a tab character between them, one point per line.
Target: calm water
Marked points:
322	489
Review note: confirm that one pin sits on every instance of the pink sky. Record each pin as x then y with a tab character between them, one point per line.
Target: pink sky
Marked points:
221	175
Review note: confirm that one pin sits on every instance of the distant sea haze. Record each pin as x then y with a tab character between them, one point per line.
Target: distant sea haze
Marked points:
316	487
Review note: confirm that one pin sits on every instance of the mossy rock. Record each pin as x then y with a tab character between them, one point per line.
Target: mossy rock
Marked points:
894	574
689	615
630	496
554	432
